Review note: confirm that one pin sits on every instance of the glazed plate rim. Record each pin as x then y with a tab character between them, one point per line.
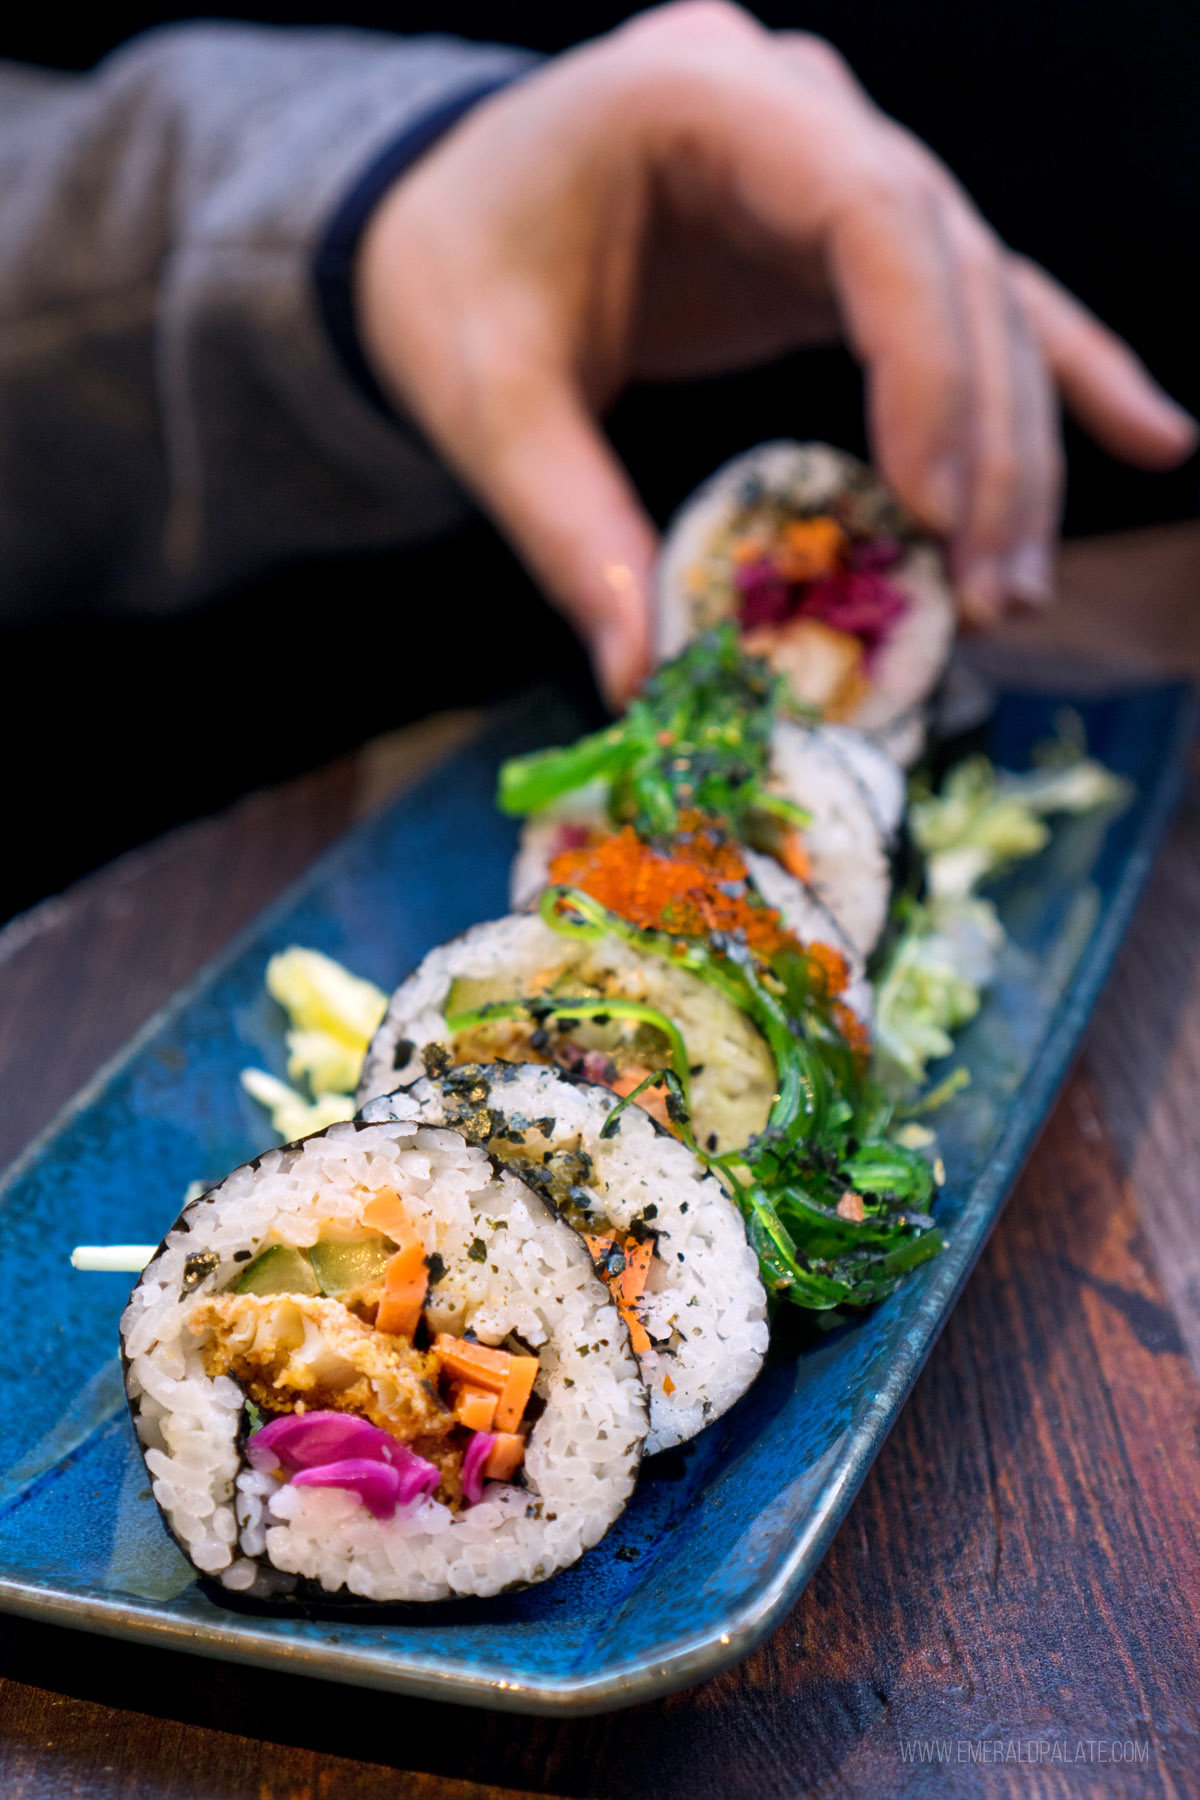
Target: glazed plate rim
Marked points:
401	1667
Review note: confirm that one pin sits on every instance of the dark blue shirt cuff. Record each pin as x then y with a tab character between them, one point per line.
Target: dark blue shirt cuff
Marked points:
333	265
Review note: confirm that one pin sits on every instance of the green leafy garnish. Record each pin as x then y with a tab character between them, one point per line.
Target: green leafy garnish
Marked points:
696	738
835	1209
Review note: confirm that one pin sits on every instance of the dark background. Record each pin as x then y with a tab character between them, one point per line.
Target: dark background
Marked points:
1073	125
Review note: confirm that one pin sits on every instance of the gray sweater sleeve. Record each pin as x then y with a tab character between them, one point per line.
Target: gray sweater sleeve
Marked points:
173	416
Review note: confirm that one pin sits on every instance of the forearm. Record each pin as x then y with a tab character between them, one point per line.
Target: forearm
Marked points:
173	414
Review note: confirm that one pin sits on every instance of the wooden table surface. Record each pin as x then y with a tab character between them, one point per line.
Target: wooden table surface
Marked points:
1013	1603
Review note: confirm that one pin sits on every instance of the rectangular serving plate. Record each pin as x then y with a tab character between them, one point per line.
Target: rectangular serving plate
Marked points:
720	1538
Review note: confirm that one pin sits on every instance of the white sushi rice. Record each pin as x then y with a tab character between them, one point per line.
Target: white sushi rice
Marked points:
735	1083
805	913
249	1528
704	1306
811	477
855	797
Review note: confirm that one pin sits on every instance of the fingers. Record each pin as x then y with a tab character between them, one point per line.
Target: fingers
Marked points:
557	490
965	425
892	269
1002	551
1103	384
962	425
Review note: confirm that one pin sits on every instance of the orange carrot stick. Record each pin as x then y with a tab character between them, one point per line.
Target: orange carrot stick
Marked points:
522	1373
403	1295
639	1337
793	855
505	1456
477	1364
385	1211
475	1408
405	1277
628	1285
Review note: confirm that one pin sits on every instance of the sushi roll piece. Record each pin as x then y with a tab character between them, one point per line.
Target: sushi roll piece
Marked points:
827	577
372	1364
602	1008
838	893
662	1231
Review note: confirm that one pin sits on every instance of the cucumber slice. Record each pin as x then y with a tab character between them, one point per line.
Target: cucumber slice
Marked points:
469	992
339	1267
279	1270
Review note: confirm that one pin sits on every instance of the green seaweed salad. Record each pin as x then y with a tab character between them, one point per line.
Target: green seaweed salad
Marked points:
836	1190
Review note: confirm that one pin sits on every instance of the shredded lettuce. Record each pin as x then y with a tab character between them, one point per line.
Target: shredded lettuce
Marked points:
944	956
932	985
985	819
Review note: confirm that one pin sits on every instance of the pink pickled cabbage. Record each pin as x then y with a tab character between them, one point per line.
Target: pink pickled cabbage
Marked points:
858	599
875	553
597	1067
332	1449
304	1440
478	1451
765	598
379	1485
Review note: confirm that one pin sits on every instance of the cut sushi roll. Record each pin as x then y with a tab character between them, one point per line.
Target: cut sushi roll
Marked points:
313	1413
826	576
599	1006
837	887
664	1234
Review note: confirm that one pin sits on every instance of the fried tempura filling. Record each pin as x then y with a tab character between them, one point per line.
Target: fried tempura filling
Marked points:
290	1353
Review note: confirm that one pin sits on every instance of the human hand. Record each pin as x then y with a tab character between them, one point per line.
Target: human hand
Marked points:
693	194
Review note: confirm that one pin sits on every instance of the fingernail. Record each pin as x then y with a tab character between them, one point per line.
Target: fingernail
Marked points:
945	491
981	589
1031	574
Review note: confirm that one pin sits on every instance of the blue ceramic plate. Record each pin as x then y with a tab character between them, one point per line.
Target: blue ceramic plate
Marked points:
719	1539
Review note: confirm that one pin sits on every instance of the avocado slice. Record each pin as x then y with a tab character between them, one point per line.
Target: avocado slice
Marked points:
340	1267
279	1270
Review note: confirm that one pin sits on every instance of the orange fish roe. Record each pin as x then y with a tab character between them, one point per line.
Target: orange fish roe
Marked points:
831	967
696	887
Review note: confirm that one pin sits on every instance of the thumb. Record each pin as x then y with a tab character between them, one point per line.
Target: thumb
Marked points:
558	492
